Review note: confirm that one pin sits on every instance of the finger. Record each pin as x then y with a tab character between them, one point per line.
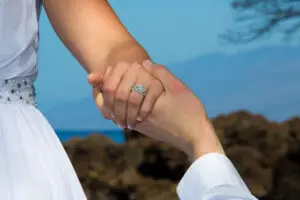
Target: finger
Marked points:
154	91
149	66
95	79
134	104
123	94
111	83
170	82
105	113
136	99
108	72
100	103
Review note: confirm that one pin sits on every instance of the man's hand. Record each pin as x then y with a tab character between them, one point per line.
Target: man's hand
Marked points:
178	117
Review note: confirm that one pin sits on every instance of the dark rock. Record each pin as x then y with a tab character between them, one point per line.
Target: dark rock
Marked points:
158	190
254	168
286	184
163	162
266	154
294	131
130	134
242	128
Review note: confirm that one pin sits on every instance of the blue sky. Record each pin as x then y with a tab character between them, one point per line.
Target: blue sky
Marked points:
170	30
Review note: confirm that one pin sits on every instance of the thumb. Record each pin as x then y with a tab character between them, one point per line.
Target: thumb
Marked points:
99	100
161	73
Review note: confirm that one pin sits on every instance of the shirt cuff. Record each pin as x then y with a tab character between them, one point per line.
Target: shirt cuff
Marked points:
206	173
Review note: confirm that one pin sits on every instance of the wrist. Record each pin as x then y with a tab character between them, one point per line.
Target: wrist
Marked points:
129	51
212	145
126	51
204	141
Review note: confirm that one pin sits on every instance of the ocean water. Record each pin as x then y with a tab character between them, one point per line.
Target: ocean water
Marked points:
116	135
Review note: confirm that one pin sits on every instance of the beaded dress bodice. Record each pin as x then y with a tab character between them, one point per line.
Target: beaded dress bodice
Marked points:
18	49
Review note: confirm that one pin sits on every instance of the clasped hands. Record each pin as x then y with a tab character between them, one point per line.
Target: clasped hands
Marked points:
168	111
115	98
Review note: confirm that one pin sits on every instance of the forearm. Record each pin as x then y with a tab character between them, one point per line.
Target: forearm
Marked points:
93	33
130	52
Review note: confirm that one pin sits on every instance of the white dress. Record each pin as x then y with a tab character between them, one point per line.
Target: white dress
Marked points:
33	163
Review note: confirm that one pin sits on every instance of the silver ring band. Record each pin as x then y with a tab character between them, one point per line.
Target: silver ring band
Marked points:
141	89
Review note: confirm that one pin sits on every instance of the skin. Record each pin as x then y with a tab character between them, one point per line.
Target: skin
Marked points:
93	33
178	116
96	37
126	107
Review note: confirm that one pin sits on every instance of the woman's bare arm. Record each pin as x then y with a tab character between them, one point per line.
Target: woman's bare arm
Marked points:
91	30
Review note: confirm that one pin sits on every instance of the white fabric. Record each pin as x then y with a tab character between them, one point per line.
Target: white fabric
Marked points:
213	177
33	163
18	38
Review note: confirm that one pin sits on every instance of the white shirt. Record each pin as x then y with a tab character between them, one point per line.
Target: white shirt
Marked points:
18	38
213	177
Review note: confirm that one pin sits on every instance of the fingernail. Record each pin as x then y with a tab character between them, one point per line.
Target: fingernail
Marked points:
139	119
121	126
112	115
129	127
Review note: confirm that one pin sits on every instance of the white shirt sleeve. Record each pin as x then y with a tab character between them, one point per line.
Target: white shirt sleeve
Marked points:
213	177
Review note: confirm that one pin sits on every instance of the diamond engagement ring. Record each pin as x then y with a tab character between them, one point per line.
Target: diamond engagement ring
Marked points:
139	89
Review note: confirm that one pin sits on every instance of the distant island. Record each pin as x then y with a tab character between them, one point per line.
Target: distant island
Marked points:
264	80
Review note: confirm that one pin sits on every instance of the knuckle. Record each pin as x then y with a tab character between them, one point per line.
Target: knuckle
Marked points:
121	96
109	88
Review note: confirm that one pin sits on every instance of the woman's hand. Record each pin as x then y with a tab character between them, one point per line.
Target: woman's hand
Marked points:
118	101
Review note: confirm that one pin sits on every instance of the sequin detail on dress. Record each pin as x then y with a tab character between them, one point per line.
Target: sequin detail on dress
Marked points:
20	90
